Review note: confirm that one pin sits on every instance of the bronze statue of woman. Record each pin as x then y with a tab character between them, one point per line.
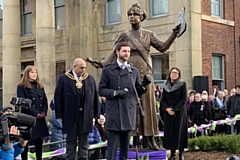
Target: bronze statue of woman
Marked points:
141	40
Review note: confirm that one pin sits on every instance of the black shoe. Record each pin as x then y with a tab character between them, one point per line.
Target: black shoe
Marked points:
181	156
172	157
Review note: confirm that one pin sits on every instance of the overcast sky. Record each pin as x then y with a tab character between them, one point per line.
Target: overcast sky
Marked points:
1	3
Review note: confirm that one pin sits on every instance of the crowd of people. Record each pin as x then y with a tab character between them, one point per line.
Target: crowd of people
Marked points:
178	108
204	107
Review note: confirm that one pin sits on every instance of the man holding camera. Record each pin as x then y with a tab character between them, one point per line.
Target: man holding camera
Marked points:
121	102
11	149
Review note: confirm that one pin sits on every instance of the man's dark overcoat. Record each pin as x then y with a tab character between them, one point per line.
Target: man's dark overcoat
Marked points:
175	127
120	113
39	105
65	102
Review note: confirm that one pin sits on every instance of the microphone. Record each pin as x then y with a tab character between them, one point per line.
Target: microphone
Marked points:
129	68
25	120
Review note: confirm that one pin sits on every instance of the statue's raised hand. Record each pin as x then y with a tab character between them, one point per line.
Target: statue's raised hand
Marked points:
94	63
176	29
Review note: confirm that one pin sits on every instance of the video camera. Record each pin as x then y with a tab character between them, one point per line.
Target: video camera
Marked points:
23	122
20	102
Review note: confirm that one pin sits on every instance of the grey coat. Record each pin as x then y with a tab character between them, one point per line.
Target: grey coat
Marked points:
120	113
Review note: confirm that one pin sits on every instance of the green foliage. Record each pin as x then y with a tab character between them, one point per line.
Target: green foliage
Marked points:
229	143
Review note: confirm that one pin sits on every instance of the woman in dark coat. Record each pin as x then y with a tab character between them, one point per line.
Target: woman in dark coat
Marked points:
30	87
173	101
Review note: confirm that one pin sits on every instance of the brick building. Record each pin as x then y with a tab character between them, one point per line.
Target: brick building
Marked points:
51	34
221	42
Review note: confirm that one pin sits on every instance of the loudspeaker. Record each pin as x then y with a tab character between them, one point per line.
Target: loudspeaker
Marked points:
200	83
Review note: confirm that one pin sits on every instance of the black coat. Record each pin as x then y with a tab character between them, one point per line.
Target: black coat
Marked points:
233	105
39	105
198	112
120	113
175	127
65	102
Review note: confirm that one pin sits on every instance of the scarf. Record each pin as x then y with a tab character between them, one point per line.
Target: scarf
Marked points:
167	86
219	103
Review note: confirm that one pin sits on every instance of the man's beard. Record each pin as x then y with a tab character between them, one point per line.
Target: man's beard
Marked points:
123	58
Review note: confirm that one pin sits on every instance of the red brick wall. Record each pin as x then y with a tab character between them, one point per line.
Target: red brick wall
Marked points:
206	7
237	39
219	39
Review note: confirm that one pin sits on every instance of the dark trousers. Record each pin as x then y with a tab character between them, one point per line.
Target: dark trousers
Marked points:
38	149
97	152
114	137
237	125
221	129
79	136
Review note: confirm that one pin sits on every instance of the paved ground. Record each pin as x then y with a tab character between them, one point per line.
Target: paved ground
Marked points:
214	155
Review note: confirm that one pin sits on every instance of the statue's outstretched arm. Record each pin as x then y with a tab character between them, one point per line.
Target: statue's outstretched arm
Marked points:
109	58
163	46
101	63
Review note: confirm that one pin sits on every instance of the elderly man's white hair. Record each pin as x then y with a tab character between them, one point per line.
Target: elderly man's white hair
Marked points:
220	92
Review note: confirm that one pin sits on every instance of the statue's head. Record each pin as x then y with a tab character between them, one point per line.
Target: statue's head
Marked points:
137	9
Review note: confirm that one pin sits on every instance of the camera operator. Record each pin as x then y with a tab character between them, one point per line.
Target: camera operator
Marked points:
11	149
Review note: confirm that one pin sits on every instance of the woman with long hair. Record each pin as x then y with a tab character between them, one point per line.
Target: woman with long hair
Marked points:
174	99
31	88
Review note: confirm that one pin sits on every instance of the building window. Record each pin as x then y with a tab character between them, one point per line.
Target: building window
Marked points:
25	64
60	69
160	66
158	8
218	71
1	19
113	12
217	8
26	17
59	14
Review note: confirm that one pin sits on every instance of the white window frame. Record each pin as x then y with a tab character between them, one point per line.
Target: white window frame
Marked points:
221	69
119	10
165	5
59	17
217	8
24	15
